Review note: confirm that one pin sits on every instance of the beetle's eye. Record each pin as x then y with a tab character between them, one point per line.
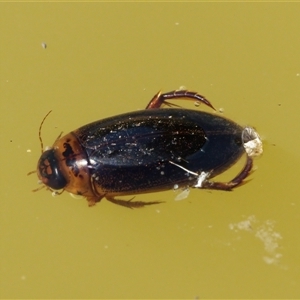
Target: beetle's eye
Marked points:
49	171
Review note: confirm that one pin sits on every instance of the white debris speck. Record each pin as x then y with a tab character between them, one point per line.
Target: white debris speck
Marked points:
183	194
252	142
243	225
201	178
28	150
44	45
264	231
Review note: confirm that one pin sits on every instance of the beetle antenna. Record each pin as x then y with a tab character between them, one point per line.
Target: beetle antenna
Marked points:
32	172
40	130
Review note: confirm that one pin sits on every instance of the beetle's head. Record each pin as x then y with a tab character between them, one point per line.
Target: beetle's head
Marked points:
49	170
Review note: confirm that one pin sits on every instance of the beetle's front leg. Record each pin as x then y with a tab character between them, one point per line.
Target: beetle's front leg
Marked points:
227	186
159	98
93	200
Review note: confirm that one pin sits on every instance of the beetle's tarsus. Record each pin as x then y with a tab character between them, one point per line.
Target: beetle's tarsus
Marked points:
159	98
131	204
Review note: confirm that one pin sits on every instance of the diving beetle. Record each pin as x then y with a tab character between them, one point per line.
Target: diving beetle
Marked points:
150	150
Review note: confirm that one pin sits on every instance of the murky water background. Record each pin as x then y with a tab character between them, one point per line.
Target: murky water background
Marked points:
87	61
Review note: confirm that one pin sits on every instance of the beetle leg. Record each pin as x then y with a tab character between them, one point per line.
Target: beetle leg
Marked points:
227	186
93	200
131	204
159	98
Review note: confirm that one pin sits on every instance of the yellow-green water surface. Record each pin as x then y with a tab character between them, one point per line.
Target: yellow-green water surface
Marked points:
87	61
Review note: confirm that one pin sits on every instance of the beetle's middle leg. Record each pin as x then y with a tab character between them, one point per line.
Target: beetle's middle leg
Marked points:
159	98
131	204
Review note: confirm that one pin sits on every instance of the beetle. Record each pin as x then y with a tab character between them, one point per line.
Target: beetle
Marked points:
149	150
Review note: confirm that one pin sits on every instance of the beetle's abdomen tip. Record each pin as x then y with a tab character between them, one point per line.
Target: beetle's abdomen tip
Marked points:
252	142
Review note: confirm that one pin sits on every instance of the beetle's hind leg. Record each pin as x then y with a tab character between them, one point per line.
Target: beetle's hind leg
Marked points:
131	204
236	181
159	98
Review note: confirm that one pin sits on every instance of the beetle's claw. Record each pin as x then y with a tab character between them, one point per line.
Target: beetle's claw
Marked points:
131	204
244	182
